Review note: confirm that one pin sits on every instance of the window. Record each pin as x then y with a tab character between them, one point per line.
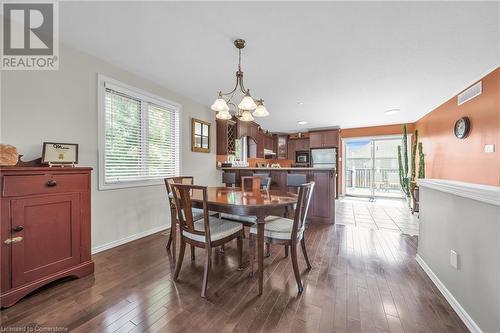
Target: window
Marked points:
138	137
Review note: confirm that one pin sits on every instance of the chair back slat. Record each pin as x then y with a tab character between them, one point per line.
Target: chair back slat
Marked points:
303	201
182	197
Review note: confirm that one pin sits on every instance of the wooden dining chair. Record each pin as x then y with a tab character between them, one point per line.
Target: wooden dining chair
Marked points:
288	232
206	233
196	213
256	183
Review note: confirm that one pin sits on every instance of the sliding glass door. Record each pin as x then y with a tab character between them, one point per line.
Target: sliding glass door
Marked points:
371	167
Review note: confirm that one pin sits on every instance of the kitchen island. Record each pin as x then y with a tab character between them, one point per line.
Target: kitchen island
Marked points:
322	206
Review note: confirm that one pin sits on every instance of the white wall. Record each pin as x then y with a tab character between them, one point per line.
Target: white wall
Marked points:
61	106
461	217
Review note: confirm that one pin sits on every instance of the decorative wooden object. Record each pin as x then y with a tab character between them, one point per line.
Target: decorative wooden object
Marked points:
8	155
200	136
45	228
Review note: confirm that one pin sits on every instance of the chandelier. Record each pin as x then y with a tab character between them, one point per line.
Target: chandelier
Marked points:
247	104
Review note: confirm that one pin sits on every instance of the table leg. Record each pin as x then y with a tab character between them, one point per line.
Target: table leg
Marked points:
260	251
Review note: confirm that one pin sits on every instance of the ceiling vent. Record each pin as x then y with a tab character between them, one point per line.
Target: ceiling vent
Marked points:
470	93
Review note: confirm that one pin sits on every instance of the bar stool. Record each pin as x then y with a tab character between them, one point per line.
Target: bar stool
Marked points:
295	180
229	178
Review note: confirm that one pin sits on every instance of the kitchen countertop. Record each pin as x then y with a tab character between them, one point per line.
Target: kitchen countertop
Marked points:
278	169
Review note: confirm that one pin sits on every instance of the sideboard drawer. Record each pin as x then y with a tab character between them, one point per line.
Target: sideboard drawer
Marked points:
18	185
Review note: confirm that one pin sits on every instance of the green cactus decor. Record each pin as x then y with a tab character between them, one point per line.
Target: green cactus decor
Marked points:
421	161
403	163
407	180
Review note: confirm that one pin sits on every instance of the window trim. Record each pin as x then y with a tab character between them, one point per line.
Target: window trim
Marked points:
102	81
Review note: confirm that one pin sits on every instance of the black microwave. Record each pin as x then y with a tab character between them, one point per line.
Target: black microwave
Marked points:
302	157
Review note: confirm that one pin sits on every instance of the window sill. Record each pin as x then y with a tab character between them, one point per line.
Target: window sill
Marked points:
130	184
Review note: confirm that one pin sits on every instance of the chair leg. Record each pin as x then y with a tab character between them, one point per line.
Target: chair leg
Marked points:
208	264
222	249
192	253
179	261
172	232
169	243
174	242
252	252
304	252
286	251
295	266
239	242
268	250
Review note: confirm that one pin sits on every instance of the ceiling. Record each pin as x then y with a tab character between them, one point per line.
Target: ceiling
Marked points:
347	62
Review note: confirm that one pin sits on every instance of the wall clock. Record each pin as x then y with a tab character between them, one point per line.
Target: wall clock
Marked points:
462	128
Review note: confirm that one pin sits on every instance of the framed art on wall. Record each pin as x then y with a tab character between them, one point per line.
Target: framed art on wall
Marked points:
200	136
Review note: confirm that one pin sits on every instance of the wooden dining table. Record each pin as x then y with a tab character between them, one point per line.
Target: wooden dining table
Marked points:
259	203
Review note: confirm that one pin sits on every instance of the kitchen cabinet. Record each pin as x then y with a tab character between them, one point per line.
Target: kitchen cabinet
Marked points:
226	137
322	205
295	145
324	139
281	146
45	228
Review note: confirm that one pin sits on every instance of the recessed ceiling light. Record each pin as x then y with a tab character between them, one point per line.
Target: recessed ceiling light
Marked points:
300	103
302	122
392	111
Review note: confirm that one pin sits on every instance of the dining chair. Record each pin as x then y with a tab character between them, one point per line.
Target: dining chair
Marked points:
288	232
196	213
265	179
206	233
229	179
249	221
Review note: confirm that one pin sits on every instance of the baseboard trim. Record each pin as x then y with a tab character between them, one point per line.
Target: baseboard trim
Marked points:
127	239
468	321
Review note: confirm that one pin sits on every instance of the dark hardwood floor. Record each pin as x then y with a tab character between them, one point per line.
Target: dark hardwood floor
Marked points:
362	281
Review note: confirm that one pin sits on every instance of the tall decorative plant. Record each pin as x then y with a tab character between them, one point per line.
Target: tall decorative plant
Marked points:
408	179
403	163
421	161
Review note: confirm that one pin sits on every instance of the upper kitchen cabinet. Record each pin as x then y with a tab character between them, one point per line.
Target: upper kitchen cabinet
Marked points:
226	137
324	139
250	129
281	146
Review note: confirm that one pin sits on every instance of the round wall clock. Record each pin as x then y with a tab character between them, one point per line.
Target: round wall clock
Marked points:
462	128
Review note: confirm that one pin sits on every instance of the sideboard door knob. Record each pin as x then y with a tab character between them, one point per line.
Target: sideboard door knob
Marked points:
18	228
51	183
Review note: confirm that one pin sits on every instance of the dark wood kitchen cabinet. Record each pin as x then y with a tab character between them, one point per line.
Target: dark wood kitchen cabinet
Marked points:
324	139
45	228
226	137
281	146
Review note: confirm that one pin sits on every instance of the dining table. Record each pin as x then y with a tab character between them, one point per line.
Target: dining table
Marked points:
259	203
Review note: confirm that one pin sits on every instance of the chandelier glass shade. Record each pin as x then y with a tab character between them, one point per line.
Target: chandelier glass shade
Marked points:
247	104
260	110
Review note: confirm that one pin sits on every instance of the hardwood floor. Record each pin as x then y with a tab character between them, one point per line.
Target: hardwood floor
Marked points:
362	281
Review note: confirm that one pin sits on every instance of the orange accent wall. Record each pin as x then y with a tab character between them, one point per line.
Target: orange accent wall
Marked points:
368	132
464	160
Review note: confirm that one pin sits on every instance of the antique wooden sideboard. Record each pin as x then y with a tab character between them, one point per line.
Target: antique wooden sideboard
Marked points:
45	227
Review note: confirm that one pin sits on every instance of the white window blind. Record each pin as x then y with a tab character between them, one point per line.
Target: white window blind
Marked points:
141	139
